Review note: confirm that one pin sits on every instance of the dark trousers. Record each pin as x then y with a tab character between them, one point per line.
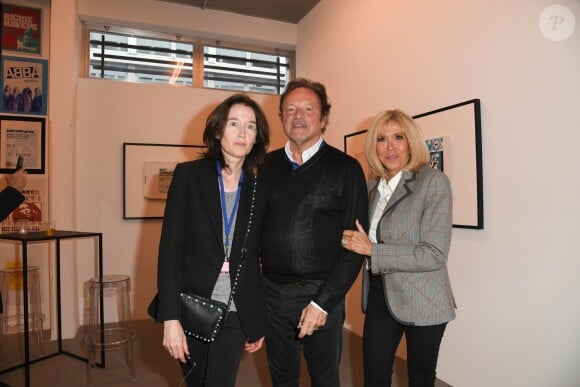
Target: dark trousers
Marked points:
217	363
381	336
322	350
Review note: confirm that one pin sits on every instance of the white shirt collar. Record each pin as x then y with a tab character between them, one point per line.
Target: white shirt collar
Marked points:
387	188
307	154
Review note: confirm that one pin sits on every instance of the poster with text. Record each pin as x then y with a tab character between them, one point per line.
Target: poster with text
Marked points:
24	83
21	30
22	136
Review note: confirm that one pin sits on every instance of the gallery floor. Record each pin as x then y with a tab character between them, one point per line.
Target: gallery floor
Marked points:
155	368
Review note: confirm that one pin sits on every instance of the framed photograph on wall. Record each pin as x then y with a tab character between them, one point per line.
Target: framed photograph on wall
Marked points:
24	85
457	128
21	29
453	137
147	173
22	136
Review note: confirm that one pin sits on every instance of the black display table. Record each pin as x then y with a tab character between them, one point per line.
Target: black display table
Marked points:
35	237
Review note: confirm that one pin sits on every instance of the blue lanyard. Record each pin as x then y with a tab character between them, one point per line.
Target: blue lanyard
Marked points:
228	220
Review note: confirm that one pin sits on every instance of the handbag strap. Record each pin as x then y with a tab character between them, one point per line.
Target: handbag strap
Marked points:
243	250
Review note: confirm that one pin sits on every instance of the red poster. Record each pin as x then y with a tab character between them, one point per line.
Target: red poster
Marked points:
21	30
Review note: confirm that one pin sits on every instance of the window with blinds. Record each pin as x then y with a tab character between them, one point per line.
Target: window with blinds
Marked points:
155	58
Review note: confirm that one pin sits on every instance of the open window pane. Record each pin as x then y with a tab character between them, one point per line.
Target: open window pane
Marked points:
148	57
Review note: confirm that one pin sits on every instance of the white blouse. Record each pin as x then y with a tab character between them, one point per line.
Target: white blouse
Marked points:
385	192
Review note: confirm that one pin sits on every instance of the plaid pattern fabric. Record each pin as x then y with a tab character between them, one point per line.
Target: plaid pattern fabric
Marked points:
414	235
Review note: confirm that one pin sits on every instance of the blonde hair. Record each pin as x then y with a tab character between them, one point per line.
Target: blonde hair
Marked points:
418	152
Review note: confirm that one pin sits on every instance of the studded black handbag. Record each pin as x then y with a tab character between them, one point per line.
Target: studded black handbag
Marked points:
201	317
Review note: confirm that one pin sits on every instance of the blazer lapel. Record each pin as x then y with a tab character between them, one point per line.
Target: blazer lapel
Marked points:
373	197
211	196
403	189
242	218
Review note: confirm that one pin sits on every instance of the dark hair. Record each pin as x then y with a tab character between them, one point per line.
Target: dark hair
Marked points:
216	123
316	87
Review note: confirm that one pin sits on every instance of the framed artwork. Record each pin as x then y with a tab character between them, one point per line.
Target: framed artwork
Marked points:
147	173
22	136
21	30
24	83
453	136
459	128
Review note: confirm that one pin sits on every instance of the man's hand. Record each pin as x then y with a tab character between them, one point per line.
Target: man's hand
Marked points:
311	319
17	179
254	346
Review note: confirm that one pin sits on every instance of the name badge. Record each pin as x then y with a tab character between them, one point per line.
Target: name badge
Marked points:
225	267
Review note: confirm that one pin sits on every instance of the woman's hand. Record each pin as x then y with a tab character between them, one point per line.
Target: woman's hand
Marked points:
174	340
357	241
253	346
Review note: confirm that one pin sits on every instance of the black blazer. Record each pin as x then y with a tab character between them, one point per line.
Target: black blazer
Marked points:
191	249
10	198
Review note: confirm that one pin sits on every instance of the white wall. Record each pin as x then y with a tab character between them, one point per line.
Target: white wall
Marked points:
516	282
110	113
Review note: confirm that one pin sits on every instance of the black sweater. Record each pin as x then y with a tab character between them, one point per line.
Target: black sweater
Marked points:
307	211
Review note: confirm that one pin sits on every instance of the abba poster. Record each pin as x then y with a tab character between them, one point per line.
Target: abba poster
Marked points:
24	83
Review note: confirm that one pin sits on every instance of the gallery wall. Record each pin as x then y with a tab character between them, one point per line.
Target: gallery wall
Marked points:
515	282
157	114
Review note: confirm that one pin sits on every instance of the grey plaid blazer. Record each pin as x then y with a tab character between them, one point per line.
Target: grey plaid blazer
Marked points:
413	237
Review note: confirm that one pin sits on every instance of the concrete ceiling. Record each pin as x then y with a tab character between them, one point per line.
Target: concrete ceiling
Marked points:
289	11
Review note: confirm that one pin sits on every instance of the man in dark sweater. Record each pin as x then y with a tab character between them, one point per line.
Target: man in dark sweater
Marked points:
316	192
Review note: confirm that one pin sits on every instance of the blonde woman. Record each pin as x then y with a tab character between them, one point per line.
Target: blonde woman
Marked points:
406	287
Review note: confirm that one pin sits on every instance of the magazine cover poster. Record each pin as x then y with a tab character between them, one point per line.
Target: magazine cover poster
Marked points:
21	30
24	82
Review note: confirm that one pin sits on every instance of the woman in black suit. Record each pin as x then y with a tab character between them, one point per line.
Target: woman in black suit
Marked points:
206	218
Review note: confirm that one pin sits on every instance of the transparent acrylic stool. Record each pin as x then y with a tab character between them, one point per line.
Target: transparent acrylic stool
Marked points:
12	319
116	335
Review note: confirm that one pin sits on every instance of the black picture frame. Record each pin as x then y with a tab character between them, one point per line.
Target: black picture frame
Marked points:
460	124
138	203
23	136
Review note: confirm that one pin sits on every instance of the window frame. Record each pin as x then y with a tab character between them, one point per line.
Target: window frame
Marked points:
198	60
